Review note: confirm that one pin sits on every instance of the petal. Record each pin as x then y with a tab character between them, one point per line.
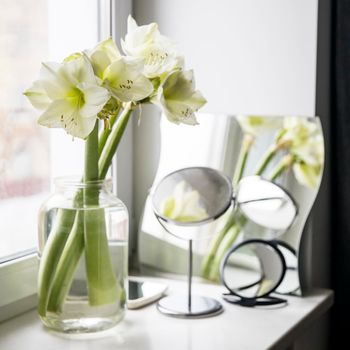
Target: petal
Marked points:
306	175
125	81
140	89
73	56
37	96
48	70
110	48
160	60
54	84
178	98
54	115
179	85
132	25
95	97
78	71
102	55
168	207
180	113
184	205
138	37
255	124
176	201
61	114
78	125
100	62
192	210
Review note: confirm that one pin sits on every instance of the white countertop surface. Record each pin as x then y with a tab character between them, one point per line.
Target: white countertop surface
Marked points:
145	329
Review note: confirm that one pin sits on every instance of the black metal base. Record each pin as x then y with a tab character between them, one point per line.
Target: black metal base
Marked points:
177	306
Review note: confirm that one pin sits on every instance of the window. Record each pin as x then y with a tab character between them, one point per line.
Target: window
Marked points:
32	31
24	155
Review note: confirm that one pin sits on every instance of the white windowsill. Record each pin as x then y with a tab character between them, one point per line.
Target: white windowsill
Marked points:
146	328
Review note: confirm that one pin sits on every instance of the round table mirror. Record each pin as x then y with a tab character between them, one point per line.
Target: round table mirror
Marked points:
183	201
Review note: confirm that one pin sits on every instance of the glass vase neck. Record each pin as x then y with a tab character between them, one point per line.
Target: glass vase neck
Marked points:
75	182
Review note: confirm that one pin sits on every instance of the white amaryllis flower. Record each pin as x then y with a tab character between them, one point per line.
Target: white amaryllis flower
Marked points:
184	205
102	55
160	60
305	144
309	160
307	175
178	98
138	38
255	125
123	76
69	95
125	80
157	51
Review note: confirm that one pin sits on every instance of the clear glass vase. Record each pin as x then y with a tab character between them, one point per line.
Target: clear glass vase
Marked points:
83	252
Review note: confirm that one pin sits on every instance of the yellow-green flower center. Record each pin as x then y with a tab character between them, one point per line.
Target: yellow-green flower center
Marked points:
76	98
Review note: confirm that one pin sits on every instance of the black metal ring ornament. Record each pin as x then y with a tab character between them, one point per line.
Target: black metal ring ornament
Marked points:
264	299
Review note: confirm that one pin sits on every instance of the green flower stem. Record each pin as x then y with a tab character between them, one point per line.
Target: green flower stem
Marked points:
51	254
267	157
103	287
102	283
214	245
113	140
91	160
242	158
285	163
225	244
67	264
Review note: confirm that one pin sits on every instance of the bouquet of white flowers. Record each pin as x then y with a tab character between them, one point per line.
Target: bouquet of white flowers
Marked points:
104	85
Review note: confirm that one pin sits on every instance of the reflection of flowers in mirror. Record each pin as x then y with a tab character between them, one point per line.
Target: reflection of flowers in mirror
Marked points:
184	204
255	124
306	148
297	144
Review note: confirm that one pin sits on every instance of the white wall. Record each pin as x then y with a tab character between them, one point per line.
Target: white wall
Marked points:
249	56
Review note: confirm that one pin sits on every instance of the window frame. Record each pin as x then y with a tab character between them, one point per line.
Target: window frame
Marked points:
18	273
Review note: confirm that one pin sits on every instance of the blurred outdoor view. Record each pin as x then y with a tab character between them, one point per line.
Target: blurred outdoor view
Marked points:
24	146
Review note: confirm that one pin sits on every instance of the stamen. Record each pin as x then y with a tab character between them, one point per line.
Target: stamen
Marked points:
106	124
187	113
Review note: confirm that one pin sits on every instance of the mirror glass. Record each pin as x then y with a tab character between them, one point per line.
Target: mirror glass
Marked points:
276	159
290	282
265	203
253	270
188	201
192	196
